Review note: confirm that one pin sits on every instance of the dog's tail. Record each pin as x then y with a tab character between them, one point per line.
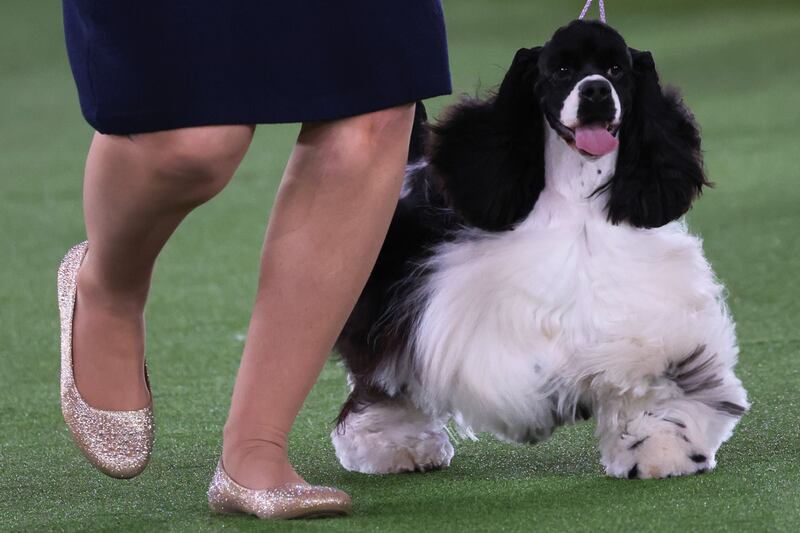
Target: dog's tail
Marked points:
419	134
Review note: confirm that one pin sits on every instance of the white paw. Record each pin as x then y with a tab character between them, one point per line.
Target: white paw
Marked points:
370	445
656	449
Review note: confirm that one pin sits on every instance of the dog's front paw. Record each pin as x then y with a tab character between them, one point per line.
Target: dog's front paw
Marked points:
657	450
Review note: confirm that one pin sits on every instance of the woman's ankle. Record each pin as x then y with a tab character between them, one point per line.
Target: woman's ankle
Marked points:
257	461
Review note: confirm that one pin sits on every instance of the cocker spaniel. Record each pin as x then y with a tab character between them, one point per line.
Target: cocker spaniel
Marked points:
537	271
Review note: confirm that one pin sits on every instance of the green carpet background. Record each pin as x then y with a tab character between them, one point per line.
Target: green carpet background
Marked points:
738	64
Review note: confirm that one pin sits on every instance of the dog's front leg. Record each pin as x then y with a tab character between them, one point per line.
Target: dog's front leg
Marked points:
669	425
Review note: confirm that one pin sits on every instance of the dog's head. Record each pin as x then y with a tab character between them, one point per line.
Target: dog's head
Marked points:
584	83
599	95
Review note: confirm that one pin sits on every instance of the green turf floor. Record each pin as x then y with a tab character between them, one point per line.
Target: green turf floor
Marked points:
738	64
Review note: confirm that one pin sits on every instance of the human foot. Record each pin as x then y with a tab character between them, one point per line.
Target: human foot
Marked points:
258	479
259	464
118	443
108	348
290	500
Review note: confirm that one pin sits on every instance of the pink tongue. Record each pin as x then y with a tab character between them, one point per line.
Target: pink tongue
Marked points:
595	139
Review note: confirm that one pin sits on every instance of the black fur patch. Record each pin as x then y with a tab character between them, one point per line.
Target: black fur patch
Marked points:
488	155
660	167
419	134
730	408
693	374
697	373
360	398
675	421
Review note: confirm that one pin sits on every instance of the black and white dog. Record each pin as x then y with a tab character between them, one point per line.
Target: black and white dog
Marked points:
537	272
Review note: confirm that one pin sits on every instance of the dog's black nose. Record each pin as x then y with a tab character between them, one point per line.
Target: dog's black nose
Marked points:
595	91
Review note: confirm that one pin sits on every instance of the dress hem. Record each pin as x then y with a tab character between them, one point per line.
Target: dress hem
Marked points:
149	122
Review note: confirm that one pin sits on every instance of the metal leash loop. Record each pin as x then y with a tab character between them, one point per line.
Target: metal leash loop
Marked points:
586	10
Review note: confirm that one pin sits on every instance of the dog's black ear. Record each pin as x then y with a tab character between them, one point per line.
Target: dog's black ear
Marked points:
488	155
660	166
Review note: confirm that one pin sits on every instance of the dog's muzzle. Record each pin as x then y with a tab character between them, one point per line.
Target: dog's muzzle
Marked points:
592	125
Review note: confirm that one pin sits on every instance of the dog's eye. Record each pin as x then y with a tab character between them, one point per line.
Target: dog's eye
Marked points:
615	72
562	73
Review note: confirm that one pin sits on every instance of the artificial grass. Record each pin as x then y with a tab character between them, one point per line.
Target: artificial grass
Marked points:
737	64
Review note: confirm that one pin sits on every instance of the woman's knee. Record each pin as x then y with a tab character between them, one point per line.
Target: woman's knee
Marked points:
386	124
364	136
193	164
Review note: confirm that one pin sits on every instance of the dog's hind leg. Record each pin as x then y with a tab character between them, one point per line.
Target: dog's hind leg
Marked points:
390	436
673	424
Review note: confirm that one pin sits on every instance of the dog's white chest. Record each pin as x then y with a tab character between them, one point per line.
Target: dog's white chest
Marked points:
507	312
571	277
561	295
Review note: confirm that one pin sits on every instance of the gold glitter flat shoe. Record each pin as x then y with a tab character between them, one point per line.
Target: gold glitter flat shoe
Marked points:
118	443
293	500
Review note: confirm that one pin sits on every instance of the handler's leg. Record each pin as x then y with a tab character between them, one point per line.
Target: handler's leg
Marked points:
330	217
137	189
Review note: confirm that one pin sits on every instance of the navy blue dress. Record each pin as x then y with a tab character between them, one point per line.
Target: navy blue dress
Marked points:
149	65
